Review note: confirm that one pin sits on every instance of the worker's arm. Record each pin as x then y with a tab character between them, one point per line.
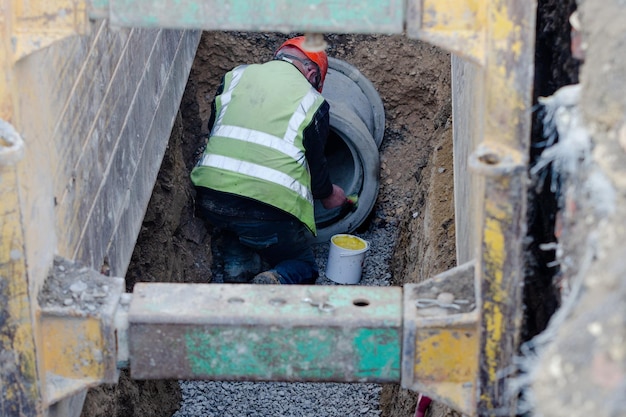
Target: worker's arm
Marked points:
219	91
315	136
336	199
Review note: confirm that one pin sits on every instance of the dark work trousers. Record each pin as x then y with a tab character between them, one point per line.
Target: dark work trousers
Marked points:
284	244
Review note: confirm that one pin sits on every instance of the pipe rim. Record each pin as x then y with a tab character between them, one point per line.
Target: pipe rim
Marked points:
370	93
351	129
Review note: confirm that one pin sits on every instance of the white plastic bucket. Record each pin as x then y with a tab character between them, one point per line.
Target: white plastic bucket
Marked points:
345	258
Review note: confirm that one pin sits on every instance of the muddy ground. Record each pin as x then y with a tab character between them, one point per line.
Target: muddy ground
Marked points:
413	80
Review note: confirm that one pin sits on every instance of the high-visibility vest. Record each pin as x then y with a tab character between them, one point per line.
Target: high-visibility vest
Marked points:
256	145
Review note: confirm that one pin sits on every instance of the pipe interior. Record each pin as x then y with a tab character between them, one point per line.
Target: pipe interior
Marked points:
345	170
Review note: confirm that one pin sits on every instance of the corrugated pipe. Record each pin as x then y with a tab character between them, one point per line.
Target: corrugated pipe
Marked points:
357	124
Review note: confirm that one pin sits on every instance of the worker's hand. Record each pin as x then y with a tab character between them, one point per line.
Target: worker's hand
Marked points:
336	199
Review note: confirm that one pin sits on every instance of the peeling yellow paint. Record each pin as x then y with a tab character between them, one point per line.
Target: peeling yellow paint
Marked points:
453	15
73	357
16	333
456	25
447	355
505	106
501	24
516	48
494	263
37	24
493	324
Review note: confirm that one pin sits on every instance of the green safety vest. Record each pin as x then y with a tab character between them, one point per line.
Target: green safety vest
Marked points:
256	145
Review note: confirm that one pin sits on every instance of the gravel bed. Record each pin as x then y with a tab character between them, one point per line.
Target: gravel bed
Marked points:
281	399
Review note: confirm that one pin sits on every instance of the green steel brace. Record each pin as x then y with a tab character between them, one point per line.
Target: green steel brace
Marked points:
424	335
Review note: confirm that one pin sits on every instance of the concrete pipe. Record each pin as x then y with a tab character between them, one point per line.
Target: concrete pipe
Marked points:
357	124
346	86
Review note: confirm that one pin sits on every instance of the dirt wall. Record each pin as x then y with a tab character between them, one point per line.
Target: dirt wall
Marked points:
172	247
426	243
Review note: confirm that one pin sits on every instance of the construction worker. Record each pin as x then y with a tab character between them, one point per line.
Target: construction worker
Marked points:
264	164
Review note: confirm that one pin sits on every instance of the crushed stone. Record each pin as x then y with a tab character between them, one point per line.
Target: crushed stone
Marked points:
300	399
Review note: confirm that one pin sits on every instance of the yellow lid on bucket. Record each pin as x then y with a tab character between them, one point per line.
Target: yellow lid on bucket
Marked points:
349	242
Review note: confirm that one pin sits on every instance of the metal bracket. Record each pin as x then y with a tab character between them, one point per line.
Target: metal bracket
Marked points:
78	332
425	336
440	342
345	16
459	26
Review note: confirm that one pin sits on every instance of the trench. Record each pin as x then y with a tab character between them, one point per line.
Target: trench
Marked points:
357	124
555	67
410	222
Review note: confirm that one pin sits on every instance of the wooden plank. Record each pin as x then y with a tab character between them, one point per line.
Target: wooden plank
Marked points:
344	16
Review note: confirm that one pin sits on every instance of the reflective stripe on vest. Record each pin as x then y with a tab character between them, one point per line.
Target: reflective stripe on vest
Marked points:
226	96
284	144
260	138
258	171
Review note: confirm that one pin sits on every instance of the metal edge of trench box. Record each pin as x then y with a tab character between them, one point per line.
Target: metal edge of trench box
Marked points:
265	332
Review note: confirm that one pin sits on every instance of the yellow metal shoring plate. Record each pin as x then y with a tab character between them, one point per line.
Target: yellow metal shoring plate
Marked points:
498	35
19	381
440	342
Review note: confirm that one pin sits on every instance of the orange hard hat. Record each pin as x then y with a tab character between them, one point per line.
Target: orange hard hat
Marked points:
319	57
